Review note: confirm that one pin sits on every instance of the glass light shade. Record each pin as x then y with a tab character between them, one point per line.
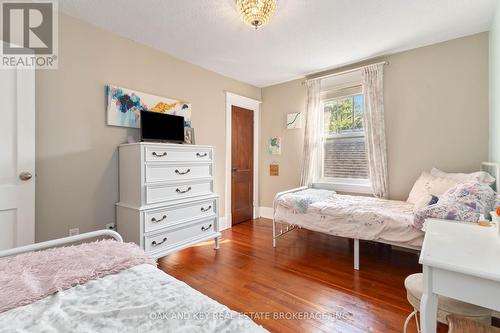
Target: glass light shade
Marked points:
256	12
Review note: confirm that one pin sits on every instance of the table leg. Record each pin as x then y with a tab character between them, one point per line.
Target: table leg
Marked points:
216	243
428	304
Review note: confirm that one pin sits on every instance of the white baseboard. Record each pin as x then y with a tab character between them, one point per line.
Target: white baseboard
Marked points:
223	223
266	212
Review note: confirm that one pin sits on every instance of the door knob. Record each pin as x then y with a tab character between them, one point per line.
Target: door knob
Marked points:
233	171
24	176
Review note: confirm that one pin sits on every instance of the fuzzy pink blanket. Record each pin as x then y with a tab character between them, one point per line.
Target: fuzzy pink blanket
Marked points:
29	277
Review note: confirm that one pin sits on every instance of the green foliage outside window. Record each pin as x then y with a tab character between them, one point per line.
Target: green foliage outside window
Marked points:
344	115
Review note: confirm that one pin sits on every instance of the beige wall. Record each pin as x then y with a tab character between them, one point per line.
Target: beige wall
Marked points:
277	102
77	169
436	108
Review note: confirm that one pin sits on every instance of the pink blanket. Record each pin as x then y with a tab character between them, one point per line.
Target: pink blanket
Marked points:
29	277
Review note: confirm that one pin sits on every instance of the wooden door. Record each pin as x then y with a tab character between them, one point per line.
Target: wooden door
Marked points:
242	165
17	158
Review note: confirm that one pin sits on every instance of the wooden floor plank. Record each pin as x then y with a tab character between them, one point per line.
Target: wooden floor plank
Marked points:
308	273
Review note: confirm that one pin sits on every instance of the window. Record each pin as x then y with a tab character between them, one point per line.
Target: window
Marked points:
343	159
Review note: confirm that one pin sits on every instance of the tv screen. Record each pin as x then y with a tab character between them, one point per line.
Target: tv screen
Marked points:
161	127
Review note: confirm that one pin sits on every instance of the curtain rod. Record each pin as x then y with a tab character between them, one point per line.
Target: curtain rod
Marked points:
346	71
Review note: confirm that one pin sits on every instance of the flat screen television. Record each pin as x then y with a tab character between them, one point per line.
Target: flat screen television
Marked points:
161	127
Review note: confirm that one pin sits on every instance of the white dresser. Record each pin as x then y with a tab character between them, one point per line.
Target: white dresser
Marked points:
167	199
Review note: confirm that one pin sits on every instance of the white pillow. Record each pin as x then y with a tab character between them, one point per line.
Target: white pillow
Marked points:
479	176
422	202
427	185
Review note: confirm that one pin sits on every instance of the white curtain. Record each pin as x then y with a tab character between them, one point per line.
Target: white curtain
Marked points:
311	128
373	90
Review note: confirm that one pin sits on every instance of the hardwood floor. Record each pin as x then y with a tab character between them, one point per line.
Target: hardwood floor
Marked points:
309	274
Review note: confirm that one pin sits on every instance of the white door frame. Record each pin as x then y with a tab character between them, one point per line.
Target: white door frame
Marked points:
254	105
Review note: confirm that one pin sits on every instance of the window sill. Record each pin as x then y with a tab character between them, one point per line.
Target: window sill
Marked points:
347	187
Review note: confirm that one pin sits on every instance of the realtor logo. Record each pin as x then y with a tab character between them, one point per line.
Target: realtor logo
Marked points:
29	34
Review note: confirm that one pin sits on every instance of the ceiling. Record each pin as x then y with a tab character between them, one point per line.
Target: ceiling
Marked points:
305	36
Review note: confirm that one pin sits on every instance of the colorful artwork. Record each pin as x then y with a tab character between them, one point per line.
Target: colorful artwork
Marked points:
275	146
125	106
294	120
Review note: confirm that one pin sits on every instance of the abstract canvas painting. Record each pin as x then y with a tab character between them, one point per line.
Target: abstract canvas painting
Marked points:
275	146
125	106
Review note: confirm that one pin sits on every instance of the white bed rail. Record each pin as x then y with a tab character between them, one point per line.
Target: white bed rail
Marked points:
275	202
61	241
293	227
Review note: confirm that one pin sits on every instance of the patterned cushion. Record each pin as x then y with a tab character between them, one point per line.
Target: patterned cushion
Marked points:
447	211
478	196
463	202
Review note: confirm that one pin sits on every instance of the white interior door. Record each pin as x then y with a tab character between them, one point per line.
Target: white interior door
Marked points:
17	157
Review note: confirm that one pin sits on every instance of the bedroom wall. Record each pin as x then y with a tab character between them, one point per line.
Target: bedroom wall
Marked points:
436	108
76	156
495	88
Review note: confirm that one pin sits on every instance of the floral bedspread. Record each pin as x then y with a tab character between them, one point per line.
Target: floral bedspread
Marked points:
358	217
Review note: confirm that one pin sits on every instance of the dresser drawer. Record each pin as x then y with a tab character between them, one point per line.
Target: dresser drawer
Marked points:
164	217
166	154
166	192
156	172
175	236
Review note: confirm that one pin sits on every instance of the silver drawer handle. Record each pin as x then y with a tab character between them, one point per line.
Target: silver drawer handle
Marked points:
159	155
206	228
201	155
183	191
206	209
154	220
182	173
154	243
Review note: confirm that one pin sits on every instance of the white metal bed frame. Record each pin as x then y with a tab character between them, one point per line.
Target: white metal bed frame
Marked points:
289	227
485	166
62	241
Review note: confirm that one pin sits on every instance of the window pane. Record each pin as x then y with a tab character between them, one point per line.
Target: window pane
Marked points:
344	142
359	109
345	157
341	115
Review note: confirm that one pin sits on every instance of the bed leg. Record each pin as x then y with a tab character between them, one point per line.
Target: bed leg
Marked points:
356	254
274	233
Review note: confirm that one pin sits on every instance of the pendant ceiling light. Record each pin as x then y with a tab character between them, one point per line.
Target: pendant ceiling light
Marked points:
256	12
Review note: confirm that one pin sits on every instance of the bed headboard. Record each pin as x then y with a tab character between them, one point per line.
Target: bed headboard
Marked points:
494	170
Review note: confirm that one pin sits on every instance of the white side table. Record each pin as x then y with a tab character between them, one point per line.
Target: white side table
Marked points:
461	261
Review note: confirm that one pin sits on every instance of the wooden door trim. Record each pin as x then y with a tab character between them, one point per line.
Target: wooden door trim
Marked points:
233	99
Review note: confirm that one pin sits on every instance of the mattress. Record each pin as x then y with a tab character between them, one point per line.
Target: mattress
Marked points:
138	299
350	216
